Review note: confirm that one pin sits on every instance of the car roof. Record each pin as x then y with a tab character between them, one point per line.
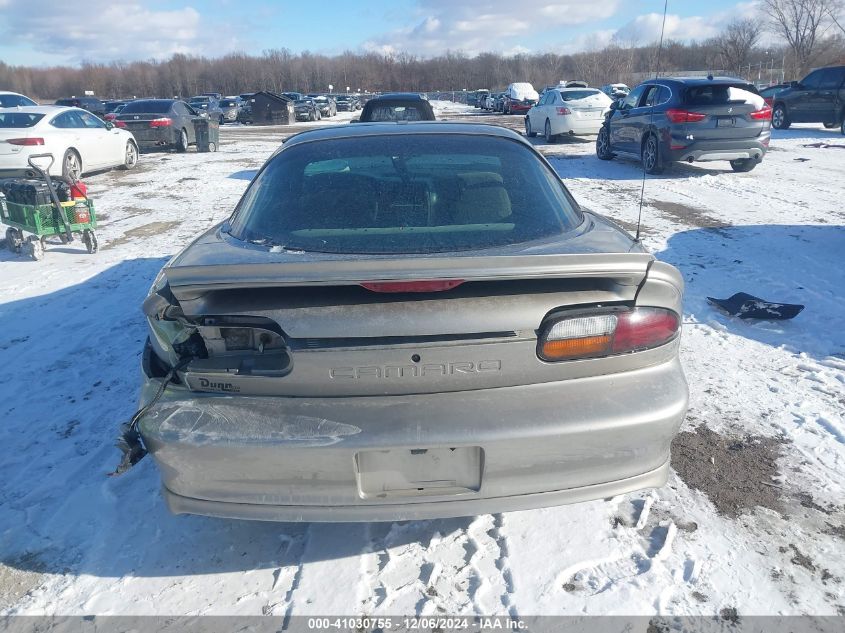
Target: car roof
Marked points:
698	81
399	96
427	128
48	109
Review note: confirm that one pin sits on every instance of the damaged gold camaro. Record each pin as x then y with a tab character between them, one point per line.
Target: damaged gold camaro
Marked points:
408	321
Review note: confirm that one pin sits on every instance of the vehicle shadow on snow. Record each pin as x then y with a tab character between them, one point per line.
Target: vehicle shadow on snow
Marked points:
779	263
244	174
76	357
589	166
831	134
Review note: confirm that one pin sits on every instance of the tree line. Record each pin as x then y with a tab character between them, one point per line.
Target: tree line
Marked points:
808	33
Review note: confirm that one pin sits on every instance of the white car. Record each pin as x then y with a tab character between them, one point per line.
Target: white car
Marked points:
13	100
572	111
79	141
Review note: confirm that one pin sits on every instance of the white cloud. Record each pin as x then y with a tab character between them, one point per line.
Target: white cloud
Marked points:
104	30
487	25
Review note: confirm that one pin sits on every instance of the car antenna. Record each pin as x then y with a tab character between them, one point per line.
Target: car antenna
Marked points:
651	114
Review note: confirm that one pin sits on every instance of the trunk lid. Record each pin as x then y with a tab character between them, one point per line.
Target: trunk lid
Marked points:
337	338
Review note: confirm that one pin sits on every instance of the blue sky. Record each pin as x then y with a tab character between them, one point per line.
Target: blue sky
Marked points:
47	32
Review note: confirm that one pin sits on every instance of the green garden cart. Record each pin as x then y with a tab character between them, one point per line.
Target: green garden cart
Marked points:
29	226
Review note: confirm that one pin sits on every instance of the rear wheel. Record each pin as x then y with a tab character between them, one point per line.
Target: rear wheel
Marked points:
603	144
829	126
130	159
743	164
528	131
14	239
71	166
182	143
550	138
652	161
89	238
780	120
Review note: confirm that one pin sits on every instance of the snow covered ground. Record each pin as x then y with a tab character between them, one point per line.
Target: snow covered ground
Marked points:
752	519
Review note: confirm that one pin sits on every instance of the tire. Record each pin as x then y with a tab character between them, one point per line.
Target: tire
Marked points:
528	131
829	126
182	143
319	115
130	159
71	166
744	164
603	144
842	125
650	156
222	120
212	147
780	119
89	238
14	239
550	138
33	248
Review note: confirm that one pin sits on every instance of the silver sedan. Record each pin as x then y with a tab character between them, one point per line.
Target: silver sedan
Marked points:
407	321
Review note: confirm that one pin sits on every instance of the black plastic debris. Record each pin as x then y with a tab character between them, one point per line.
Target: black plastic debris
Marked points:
131	447
746	306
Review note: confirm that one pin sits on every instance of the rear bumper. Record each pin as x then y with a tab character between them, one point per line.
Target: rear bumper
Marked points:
155	137
178	504
519	108
576	126
755	148
303	458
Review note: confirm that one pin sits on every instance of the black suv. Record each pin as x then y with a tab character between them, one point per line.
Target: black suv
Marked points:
688	119
818	98
397	106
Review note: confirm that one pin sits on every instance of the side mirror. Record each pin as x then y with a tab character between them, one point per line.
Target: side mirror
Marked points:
109	125
794	84
615	105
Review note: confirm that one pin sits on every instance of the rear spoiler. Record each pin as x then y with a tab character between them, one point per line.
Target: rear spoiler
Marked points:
627	269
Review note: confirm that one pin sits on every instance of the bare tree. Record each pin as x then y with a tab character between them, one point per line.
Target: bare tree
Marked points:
736	42
802	23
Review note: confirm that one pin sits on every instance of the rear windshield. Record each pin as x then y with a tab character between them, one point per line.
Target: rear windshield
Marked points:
395	113
12	101
19	119
229	103
574	95
404	194
149	106
67	102
722	94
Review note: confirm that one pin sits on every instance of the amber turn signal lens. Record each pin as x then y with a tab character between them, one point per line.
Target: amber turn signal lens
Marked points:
576	347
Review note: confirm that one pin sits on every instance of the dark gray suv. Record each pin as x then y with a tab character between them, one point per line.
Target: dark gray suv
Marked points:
818	98
675	119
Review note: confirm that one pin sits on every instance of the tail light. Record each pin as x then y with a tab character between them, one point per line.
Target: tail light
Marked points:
763	114
434	285
109	117
161	122
28	141
563	110
684	116
597	335
119	123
